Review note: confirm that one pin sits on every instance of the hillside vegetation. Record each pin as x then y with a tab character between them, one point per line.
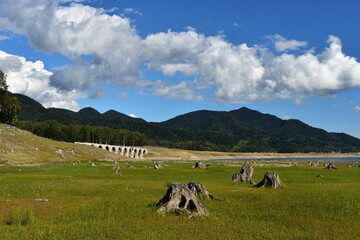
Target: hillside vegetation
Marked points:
19	146
241	130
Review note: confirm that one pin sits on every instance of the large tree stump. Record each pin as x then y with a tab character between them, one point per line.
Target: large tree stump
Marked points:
330	166
271	179
200	165
181	200
198	188
244	175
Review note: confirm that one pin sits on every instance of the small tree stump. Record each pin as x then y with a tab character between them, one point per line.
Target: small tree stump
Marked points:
330	166
244	175
117	170
200	165
199	188
181	200
313	164
158	165
271	179
60	153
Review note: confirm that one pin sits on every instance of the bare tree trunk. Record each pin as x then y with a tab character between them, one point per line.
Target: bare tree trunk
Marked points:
199	188
244	175
271	179
180	199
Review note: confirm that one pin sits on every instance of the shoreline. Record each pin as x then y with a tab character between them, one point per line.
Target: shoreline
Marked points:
160	153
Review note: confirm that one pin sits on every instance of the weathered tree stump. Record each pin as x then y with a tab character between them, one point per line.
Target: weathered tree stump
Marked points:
181	200
117	170
244	175
313	164
199	188
60	153
271	179
158	165
330	166
200	165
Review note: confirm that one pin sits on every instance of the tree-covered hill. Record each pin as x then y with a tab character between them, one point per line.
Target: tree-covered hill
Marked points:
241	130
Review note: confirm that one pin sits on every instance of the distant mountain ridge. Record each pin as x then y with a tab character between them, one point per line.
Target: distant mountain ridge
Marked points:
242	130
31	110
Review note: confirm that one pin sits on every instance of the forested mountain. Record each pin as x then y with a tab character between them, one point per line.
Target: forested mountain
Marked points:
264	132
31	110
242	130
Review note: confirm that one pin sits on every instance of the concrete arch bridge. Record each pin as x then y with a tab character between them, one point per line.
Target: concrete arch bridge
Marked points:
127	151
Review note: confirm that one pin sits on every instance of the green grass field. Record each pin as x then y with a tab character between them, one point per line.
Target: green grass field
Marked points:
87	202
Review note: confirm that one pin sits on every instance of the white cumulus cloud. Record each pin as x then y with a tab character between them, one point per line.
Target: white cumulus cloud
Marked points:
106	48
241	73
357	109
31	79
282	44
77	30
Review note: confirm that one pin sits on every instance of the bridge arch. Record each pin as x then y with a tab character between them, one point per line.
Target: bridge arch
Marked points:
113	149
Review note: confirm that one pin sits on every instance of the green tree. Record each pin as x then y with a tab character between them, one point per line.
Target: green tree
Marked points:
9	106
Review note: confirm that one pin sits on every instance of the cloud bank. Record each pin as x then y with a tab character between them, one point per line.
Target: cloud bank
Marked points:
31	79
106	48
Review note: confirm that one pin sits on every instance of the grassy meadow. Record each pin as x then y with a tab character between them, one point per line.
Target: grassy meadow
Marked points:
86	202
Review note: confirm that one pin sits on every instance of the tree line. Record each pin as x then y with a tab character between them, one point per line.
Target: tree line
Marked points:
79	133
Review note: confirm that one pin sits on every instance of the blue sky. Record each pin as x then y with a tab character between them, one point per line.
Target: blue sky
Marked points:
159	59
